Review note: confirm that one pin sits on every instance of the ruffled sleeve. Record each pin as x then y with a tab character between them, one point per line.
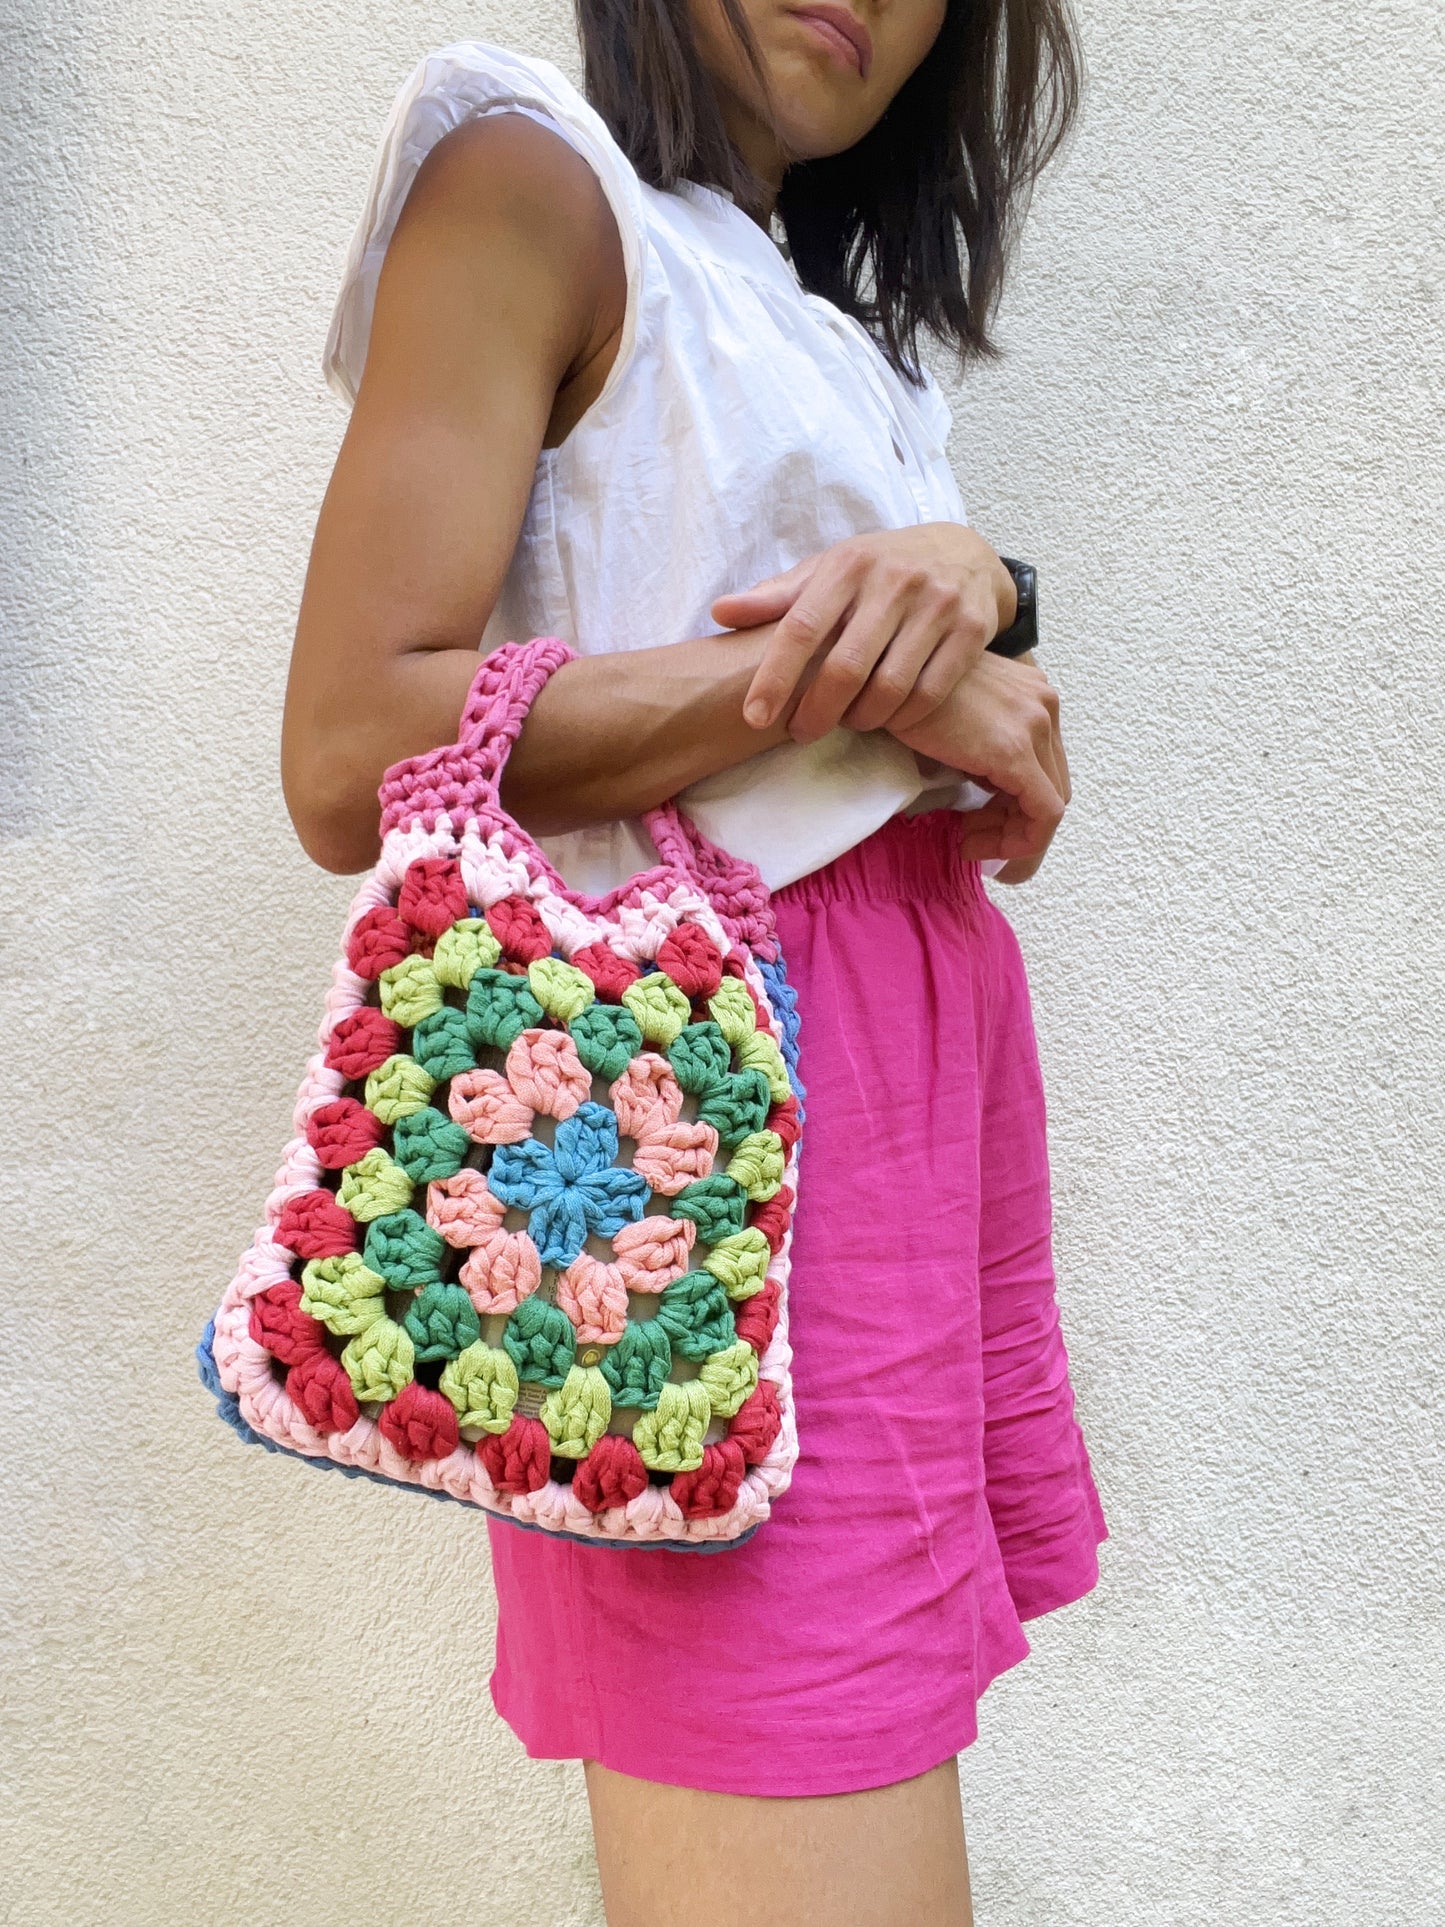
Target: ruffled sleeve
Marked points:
457	84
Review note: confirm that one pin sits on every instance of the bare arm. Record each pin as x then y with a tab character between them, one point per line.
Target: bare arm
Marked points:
497	318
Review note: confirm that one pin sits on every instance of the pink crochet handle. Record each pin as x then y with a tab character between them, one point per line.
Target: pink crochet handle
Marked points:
463	781
732	885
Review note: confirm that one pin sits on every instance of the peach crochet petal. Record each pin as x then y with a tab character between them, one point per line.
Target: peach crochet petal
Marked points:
503	1270
462	1209
646	1097
671	1156
594	1297
546	1073
652	1254
488	1109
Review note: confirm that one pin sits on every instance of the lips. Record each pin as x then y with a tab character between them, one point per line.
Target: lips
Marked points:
844	33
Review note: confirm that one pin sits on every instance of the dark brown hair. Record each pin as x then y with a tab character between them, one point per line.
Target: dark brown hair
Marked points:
910	229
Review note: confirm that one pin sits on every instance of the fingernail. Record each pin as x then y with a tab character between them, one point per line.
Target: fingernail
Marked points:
756	714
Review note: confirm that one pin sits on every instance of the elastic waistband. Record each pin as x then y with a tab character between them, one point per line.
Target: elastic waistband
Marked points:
911	859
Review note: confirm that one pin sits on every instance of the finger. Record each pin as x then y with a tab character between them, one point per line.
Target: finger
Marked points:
765	601
1017	839
1050	754
867	639
1058	768
951	660
1032	837
803	631
1051	749
1066	783
1040	806
1032	772
982	833
967	624
895	675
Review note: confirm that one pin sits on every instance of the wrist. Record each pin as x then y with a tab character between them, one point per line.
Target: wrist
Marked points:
1007	595
1021	633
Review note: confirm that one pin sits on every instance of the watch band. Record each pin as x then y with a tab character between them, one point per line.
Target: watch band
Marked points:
1022	633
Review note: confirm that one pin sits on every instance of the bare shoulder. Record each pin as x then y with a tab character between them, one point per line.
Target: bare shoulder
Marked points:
507	170
515	208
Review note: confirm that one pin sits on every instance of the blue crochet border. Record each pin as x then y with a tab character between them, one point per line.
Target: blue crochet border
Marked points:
784	1000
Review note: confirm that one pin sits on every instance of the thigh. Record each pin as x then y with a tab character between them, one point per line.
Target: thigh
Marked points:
891	1857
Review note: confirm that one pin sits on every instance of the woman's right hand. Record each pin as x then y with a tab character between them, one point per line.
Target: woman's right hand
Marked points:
1000	726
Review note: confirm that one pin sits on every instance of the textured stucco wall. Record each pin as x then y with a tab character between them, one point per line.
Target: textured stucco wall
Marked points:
236	1693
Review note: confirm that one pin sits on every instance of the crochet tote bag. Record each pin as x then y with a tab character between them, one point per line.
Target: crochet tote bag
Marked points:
529	1247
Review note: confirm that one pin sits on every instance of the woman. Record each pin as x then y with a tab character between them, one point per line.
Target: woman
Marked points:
599	402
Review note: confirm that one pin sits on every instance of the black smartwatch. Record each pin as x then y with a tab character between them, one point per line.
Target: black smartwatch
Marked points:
1022	633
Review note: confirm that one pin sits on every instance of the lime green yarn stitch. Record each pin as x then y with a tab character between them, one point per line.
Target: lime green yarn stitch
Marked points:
730	1377
482	1384
577	1415
740	1263
759	1052
374	1186
397	1088
410	991
442	1044
442	1321
344	1293
758	1165
733	1012
670	1438
462	951
562	990
379	1362
607	1039
661	1010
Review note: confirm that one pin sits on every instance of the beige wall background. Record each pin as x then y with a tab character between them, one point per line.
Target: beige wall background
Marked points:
238	1693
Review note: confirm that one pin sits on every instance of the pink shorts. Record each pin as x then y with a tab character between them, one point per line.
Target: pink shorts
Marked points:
942	1493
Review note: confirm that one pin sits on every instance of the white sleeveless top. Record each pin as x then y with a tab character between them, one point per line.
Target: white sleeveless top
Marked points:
745	425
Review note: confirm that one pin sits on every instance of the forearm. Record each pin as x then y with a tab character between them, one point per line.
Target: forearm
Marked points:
612	736
609	737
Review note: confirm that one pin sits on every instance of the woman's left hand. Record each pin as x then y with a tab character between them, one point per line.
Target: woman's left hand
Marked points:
896	620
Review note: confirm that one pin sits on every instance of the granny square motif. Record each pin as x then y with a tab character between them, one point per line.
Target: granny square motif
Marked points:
529	1248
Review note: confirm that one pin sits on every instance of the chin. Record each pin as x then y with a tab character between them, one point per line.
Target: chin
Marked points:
813	119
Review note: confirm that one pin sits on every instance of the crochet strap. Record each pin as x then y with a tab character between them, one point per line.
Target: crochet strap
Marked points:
462	777
501	696
732	885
